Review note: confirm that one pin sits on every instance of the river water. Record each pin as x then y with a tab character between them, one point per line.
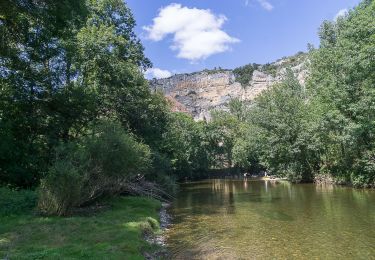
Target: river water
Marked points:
238	219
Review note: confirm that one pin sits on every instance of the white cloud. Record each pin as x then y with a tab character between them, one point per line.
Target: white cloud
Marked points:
341	13
265	4
157	73
197	33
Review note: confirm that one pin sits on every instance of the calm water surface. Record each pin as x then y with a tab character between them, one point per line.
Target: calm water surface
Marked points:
237	219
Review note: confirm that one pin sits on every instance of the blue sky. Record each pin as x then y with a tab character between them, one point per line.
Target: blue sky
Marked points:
191	35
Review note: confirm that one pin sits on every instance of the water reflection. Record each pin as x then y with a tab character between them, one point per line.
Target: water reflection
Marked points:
244	219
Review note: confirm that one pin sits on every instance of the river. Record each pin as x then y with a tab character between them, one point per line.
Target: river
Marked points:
239	219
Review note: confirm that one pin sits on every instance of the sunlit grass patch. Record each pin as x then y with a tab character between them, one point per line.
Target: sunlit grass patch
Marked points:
115	233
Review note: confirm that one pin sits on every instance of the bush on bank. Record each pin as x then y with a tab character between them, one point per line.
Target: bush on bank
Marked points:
99	164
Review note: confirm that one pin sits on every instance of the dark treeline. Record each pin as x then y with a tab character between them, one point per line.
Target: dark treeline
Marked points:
78	121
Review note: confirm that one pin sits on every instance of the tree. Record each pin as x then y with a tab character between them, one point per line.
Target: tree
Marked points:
246	151
185	145
63	65
32	62
341	87
281	115
244	74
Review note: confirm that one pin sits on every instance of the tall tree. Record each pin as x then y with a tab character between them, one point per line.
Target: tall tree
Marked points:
281	115
64	64
32	61
342	88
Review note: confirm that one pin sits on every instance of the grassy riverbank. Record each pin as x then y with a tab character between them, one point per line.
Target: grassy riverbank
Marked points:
115	231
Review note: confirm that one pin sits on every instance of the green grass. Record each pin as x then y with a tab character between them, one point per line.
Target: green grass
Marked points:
114	233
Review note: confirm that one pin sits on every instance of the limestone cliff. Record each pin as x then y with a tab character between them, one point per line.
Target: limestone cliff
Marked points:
199	93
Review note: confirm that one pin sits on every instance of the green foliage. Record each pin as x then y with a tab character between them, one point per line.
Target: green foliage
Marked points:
341	86
364	170
247	148
162	173
327	128
61	189
100	164
16	202
295	60
244	74
281	114
32	57
270	69
67	66
238	109
63	66
185	146
215	70
221	132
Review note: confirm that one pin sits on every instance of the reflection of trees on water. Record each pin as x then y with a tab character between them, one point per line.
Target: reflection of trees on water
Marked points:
231	207
221	216
226	191
212	197
310	202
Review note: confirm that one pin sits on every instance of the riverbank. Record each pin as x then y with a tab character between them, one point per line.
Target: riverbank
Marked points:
115	229
271	179
159	238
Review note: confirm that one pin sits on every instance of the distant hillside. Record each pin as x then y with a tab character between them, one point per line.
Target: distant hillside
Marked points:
200	92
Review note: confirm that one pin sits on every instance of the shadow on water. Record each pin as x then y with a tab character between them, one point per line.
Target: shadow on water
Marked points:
258	198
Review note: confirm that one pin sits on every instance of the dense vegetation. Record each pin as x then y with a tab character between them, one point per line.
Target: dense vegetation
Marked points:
324	130
78	122
244	73
76	114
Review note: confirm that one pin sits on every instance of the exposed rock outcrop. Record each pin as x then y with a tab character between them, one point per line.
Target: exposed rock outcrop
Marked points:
199	93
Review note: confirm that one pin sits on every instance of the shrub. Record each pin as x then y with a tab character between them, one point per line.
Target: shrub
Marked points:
364	175
99	164
293	173
61	190
244	74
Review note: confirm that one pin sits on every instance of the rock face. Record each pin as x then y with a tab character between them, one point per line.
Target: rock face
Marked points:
201	92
